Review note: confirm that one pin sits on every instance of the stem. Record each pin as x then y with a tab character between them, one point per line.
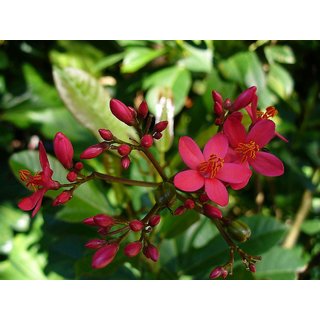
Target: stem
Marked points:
130	182
153	211
155	163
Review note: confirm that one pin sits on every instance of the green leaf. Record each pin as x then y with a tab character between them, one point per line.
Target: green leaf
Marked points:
172	226
88	102
266	233
87	200
244	68
136	57
108	61
197	60
173	80
279	263
281	54
280	81
311	227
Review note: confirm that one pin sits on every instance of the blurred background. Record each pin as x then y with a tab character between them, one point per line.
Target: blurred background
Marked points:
51	86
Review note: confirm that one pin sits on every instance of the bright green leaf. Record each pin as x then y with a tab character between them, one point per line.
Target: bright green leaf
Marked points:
282	54
311	227
136	57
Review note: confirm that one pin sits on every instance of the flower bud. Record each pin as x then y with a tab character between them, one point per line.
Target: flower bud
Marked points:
122	112
189	204
104	255
151	252
147	141
89	221
212	212
244	98
124	150
63	150
179	211
104	231
125	162
103	220
136	225
252	267
132	249
143	110
165	194
216	273
203	198
62	198
238	231
227	104
95	243
217	109
94	150
106	134
72	176
154	220
160	126
216	96
78	166
157	135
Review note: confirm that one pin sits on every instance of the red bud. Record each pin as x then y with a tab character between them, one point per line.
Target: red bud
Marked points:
104	256
94	150
146	141
125	162
78	166
154	220
89	221
203	198
72	176
189	204
216	273
217	109
227	104
132	249
103	220
124	150
104	231
244	98
95	243
136	225
252	267
160	126
216	96
151	252
143	110
212	212
106	134
63	150
62	198
122	112
179	211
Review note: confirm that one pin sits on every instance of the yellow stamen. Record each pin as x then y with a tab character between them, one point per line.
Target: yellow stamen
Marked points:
210	168
247	150
269	113
32	181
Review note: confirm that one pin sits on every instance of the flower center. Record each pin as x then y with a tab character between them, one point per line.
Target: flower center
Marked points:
32	181
210	168
247	150
269	113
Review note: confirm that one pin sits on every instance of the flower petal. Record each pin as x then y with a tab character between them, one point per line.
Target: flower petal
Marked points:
188	180
233	173
238	186
190	152
235	131
44	162
217	145
39	202
217	192
262	132
30	202
267	164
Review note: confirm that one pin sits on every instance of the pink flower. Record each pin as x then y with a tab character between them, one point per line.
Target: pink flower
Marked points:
247	147
40	182
209	168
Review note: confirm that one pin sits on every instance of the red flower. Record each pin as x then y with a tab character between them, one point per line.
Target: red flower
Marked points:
247	147
209	168
63	150
40	182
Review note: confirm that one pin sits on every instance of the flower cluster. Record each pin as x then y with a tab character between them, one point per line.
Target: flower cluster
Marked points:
226	162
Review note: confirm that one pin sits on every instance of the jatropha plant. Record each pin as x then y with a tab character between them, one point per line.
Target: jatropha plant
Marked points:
227	161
